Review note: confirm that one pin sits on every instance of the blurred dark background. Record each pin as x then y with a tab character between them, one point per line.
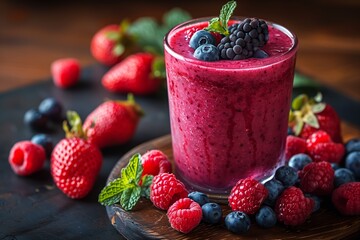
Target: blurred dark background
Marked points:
34	33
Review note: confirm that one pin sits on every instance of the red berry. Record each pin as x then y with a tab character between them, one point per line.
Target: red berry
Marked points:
184	215
247	196
292	207
103	45
294	145
165	190
217	37
65	72
112	123
346	198
317	178
321	148
133	74
155	162
75	164
26	157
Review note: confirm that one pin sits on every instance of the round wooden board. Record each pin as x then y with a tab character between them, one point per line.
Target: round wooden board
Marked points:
147	222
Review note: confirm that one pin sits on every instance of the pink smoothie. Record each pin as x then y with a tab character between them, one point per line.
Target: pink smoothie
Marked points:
228	118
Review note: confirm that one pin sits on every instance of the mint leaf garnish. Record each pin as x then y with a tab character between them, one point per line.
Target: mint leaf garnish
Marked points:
126	189
132	172
220	24
130	197
145	187
111	194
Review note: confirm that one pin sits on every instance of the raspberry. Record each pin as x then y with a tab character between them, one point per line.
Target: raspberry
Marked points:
165	190
294	145
247	196
346	198
65	72
184	215
317	178
321	148
26	157
155	162
292	207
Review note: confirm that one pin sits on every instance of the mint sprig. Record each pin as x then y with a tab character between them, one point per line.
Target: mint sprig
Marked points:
220	24
126	189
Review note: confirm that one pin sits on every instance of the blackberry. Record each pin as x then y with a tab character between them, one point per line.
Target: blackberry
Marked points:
245	38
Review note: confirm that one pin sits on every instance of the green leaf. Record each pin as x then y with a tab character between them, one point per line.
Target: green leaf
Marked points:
118	49
220	24
145	187
226	12
158	68
111	194
147	180
130	197
318	107
113	35
299	102
174	17
311	119
298	127
148	34
132	172
303	81
318	98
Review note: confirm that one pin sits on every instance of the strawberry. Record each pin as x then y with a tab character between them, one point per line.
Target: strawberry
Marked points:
65	72
108	45
75	162
113	122
133	74
310	115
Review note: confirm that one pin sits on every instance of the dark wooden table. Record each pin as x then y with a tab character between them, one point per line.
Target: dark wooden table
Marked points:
34	33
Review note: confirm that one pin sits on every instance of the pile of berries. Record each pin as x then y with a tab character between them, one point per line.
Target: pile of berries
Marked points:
75	160
296	191
245	40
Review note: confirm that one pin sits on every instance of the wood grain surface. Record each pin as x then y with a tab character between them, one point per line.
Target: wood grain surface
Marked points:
147	222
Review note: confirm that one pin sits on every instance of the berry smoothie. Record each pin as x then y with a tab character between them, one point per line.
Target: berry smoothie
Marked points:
228	117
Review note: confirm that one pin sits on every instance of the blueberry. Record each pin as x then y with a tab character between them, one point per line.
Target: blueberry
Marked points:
237	222
35	120
299	161
335	166
274	188
343	175
352	162
260	54
353	145
199	197
265	217
317	201
207	52
51	108
212	213
45	141
290	131
201	37
287	175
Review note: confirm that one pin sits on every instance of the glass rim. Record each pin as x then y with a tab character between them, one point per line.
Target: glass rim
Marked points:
268	61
